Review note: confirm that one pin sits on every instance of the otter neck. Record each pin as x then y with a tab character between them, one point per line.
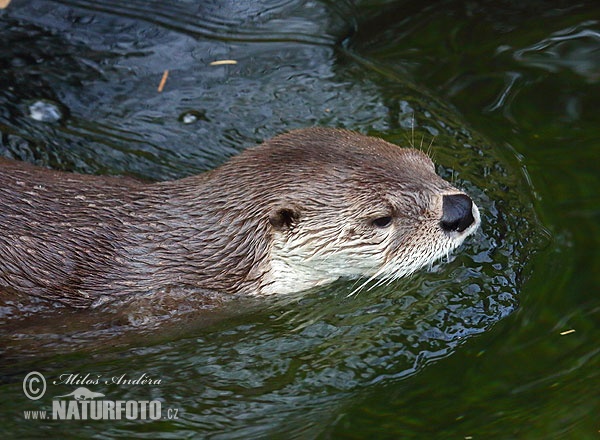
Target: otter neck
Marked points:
197	236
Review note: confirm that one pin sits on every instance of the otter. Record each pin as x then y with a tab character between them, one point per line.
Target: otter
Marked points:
301	210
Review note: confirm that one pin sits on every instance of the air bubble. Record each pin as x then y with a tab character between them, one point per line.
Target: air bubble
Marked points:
192	116
45	111
189	118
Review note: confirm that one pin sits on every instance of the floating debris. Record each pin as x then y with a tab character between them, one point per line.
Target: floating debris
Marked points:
567	332
163	80
4	4
223	62
45	111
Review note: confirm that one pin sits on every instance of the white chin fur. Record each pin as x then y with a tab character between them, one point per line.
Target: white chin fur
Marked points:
293	273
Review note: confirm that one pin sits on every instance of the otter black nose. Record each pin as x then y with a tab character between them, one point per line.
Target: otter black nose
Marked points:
457	213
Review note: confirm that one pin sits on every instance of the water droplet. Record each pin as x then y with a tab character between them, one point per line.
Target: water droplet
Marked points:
45	111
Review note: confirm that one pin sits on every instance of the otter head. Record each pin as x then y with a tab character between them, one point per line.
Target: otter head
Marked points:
343	205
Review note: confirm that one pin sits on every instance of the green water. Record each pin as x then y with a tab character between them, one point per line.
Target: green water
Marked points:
531	85
470	348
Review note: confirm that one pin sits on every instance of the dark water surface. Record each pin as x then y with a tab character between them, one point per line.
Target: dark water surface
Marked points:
507	92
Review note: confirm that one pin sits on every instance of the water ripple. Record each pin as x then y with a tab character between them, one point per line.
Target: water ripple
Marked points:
279	21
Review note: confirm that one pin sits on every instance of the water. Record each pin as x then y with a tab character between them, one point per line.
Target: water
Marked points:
471	347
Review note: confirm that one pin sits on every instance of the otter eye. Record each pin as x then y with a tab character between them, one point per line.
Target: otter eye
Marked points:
382	222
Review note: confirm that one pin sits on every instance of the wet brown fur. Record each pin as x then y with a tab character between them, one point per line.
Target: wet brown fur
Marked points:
76	238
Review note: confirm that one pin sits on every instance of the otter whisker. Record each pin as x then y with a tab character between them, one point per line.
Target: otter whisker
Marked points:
429	147
369	280
412	129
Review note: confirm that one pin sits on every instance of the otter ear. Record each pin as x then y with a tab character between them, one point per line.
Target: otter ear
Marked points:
284	217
